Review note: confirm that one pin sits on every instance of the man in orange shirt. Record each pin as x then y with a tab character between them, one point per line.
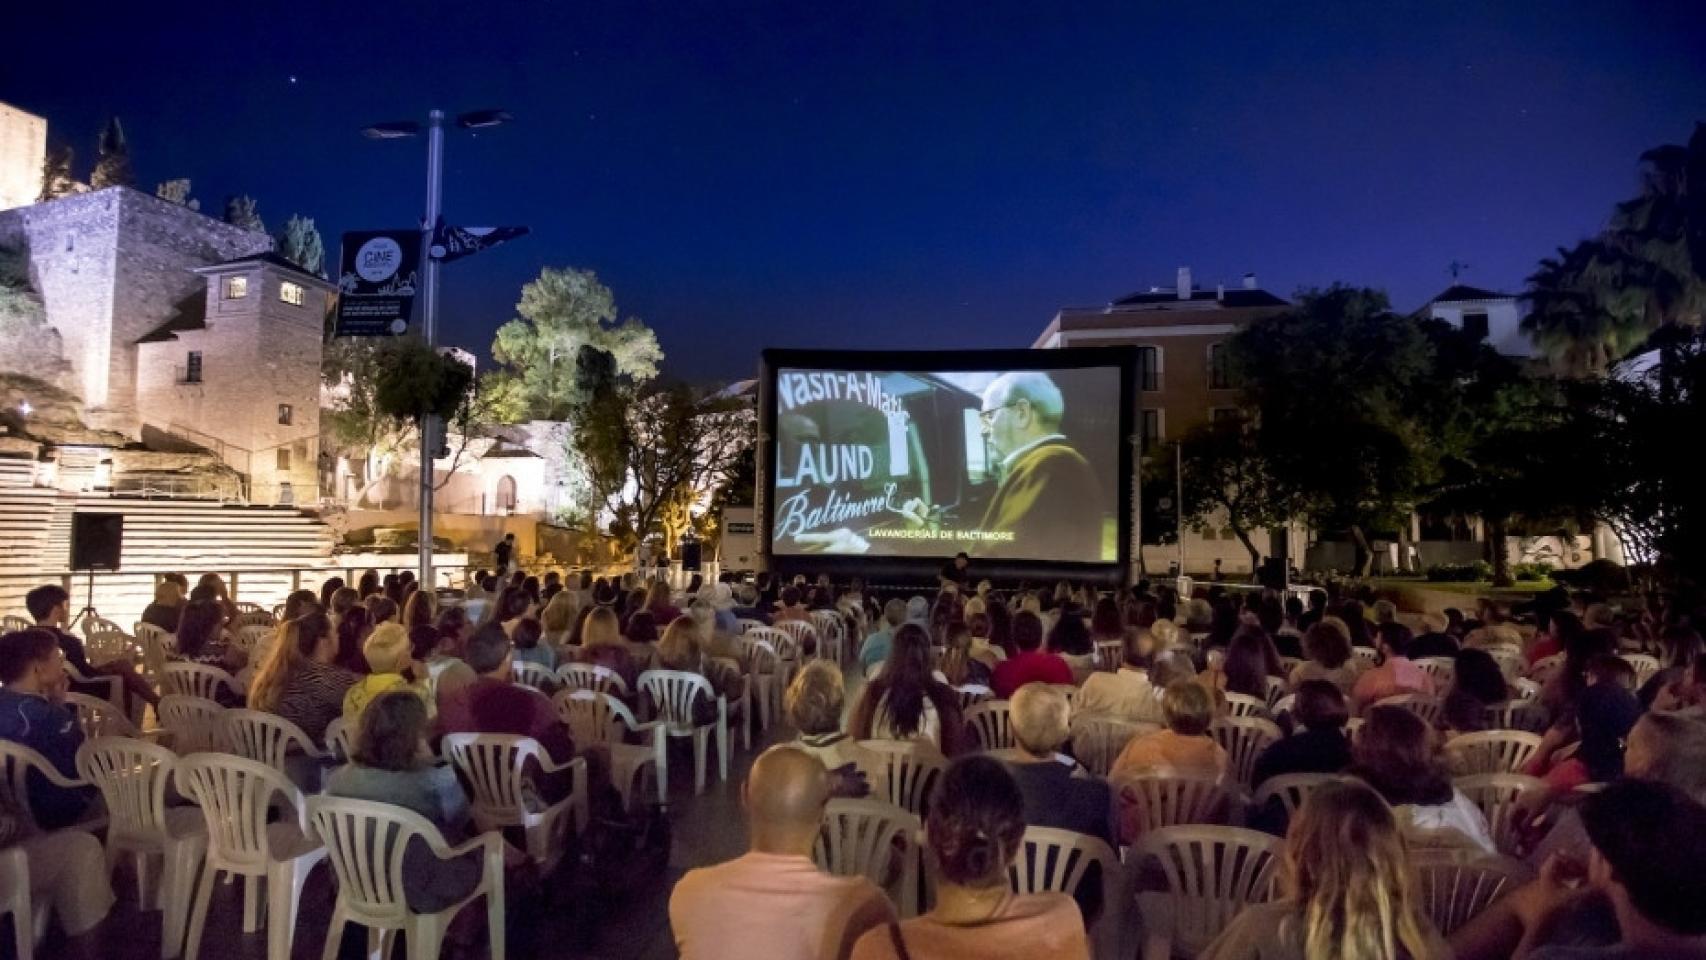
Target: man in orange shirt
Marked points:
773	902
1397	673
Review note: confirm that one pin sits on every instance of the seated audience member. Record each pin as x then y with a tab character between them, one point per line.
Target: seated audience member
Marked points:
642	639
748	608
602	645
1605	713
353	629
1031	664
1328	647
983	646
1244	670
50	607
875	649
662	610
494	703
813	703
200	637
557	620
298	680
1320	746
773	903
168	603
973	832
1396	674
1054	796
957	663
679	649
1347	892
1476	684
390	667
445	670
391	763
1394	753
905	702
1183	746
1679	647
1070	641
1433	641
419	610
1126	693
528	636
380	608
343	601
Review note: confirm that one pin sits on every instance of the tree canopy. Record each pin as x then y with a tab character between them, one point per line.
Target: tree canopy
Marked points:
112	159
299	242
240	212
1226	475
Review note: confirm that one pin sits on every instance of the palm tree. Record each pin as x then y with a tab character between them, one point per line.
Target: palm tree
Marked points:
1568	317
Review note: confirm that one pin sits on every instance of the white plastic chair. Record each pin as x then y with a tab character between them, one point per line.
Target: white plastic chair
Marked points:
1244	739
990	725
157	647
267	738
1454	889
235	796
365	843
1509	659
92	625
863	838
802	633
1367	656
1277	689
1496	795
254	639
1644	665
1163	798
1212	873
196	680
972	694
14	624
1057	861
746	623
762	669
107	646
1516	714
192	724
252	615
908	771
340	744
673	694
99	718
1545	667
601	718
1282	707
17	762
29	921
495	767
1109	655
535	675
1490	751
1242	705
591	676
1098	740
1427	709
786	647
832	635
1292	790
132	776
1443	670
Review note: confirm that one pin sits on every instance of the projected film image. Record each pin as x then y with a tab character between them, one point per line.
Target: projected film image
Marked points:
1016	464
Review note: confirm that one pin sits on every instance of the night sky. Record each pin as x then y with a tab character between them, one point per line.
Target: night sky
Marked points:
898	174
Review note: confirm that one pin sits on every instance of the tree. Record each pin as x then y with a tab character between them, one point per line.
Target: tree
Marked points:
56	178
112	159
300	243
178	192
240	212
1331	385
1227	476
560	312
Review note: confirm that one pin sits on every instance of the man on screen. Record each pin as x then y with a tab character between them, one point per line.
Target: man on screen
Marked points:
1048	497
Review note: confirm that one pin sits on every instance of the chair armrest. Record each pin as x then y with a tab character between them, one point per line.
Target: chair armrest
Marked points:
54	777
293	796
488	844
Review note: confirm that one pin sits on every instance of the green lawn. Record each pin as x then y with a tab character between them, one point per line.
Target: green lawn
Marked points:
1477	588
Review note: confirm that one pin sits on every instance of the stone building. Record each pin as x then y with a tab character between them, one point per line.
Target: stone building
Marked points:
237	372
23	152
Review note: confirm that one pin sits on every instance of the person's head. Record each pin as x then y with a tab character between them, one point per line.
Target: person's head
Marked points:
642	627
308	638
1394	639
31	661
784	798
387	649
1187	708
368	585
526	634
392	733
380	609
1070	636
49	605
1321	706
1170	667
353	630
905	680
512	603
1680	644
1604	715
961	560
1327	643
601	629
418	609
1476	674
182	581
559	615
1394	754
917	610
214	582
489	651
1246	664
1355	619
1027	631
344	600
679	647
424	642
790	596
976	823
1018	408
199	623
167	593
815	699
1385	611
894	612
1670	748
658	595
1609	668
1346	873
1042	719
1649	840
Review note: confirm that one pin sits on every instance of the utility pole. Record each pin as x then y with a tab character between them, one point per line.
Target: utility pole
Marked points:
430	426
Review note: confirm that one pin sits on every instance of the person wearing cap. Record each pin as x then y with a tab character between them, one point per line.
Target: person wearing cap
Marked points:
391	666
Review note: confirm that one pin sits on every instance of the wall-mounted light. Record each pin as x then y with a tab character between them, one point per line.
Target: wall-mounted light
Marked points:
25	408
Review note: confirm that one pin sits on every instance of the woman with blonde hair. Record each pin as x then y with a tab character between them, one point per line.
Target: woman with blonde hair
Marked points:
558	618
602	645
1348	890
957	662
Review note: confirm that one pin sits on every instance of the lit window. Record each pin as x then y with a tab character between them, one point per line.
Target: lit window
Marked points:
285	413
236	288
290	293
284	458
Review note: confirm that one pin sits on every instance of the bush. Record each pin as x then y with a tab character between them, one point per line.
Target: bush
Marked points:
1599	576
1460	572
1531	572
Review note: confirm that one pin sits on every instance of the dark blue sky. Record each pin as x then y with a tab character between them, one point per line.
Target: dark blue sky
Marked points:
901	174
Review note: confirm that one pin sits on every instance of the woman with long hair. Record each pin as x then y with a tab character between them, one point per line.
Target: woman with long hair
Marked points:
1477	683
1327	644
602	644
904	702
1348	890
331	586
299	681
558	618
1245	667
418	611
353	631
380	609
1395	753
201	639
1106	623
1000	625
958	664
1069	639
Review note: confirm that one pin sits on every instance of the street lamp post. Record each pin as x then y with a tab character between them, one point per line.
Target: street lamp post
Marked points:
430	426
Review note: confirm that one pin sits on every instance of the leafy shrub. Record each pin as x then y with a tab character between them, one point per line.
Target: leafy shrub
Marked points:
1531	572
1460	572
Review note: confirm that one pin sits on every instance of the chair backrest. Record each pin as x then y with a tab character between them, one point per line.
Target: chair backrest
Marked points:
1056	861
1282	707
1454	889
594	717
1162	798
1426	708
254	637
1242	705
829	624
1212	874
131	775
1292	790
1244	739
674	692
863	838
157	645
781	641
972	694
1442	669
14	624
93	625
264	737
1496	795
1516	714
1509	659
991	725
365	842
907	773
530	674
105	646
195	680
747	624
99	718
1491	751
1545	667
1644	665
252	615
1098	740
1278	688
235	795
492	765
591	676
758	656
800	631
340	740
196	725
1110	654
16	763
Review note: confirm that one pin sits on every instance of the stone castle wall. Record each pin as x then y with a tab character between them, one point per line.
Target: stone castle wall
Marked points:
23	151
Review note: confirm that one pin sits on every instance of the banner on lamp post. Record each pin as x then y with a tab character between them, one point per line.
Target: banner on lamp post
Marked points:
379	274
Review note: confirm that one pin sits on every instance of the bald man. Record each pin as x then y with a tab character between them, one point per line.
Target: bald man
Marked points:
774	902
